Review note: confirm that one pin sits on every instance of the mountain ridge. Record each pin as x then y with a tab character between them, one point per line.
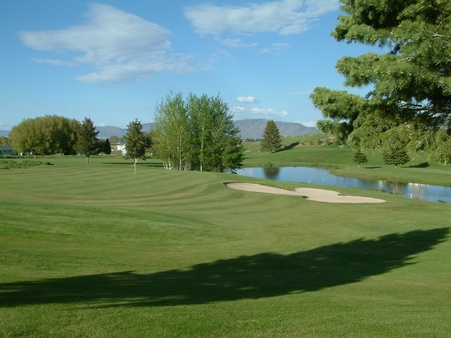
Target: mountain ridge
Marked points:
249	128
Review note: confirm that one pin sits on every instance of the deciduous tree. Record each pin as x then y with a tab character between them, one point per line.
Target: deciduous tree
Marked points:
197	134
136	141
49	134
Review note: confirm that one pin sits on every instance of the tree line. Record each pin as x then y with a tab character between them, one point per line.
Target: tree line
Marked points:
52	134
196	133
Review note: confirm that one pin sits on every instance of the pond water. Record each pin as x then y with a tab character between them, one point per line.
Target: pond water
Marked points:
426	192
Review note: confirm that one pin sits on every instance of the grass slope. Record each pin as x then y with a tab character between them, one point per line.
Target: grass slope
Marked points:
305	151
94	250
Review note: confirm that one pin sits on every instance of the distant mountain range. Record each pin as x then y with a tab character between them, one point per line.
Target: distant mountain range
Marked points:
250	128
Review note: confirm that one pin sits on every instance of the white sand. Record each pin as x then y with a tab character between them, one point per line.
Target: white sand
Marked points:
319	195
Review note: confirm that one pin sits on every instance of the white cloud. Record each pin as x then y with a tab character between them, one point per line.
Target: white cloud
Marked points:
236	43
268	113
275	48
119	45
284	17
247	99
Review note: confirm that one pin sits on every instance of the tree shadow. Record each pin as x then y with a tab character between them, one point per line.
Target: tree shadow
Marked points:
288	147
421	165
374	167
246	277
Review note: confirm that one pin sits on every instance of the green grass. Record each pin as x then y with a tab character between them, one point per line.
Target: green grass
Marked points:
340	160
96	251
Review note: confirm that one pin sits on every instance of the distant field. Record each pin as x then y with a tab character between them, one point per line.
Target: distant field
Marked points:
96	251
305	151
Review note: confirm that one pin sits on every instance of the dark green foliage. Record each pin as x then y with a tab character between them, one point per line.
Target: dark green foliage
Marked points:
395	155
360	156
410	80
197	134
136	141
45	135
87	142
272	141
107	147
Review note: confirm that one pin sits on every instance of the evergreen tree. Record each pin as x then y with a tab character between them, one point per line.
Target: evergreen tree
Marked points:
410	83
87	142
136	141
395	155
360	157
107	147
272	140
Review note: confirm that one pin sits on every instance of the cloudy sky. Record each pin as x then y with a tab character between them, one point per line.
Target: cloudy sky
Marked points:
114	61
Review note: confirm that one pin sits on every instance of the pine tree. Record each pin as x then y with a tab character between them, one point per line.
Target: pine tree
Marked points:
395	155
409	80
107	147
360	157
272	140
87	142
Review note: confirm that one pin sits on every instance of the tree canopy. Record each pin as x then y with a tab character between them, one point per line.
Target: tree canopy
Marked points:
137	141
49	134
409	81
272	141
196	134
87	142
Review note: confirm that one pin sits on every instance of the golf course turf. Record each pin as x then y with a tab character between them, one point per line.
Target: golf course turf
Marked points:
97	250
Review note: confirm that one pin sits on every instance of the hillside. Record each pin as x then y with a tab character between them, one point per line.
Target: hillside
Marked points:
250	128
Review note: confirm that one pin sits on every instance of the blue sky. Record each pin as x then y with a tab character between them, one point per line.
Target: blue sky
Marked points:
114	61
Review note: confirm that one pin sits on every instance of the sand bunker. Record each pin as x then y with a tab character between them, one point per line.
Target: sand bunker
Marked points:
319	195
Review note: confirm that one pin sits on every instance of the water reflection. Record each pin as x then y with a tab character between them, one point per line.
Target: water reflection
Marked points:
323	176
271	173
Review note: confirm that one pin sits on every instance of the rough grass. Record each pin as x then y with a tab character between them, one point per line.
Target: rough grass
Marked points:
94	250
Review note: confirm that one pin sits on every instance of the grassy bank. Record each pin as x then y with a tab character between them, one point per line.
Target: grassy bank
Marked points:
95	250
305	151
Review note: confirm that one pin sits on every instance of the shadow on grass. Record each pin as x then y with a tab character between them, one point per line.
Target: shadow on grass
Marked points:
288	147
377	167
245	277
421	165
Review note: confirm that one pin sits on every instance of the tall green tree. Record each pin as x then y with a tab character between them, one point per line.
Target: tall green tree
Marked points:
409	81
136	141
107	147
172	135
45	135
87	142
359	156
197	134
272	141
395	155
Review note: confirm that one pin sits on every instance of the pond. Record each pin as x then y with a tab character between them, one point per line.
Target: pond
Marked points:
426	192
